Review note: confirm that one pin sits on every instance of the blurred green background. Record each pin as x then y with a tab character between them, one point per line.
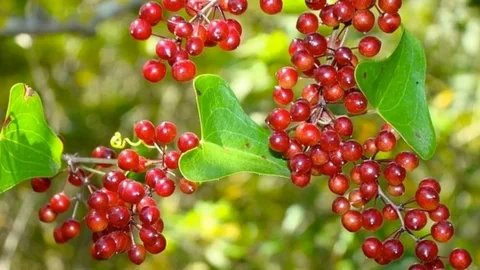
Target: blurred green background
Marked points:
91	84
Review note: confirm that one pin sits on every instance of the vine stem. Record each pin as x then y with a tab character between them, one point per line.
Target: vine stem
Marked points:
93	170
397	209
74	159
201	13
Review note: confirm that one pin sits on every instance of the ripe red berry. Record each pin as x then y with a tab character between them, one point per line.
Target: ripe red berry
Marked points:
165	187
394	174
145	131
217	30
389	23
237	7
279	141
439	214
98	200
363	20
343	126
140	29
356	103
159	245
46	214
327	16
136	254
407	160
58	236
40	184
390	6
426	250
128	160
307	134
372	219
96	220
427	198
340	205
393	249
343	10
271	6
70	229
171	160
415	220
166	132
460	259
104	248
372	247
118	217
369	171
103	152
352	220
351	151
329	140
187	141
184	70
59	203
187	187
338	184
173	5
287	77
131	191
301	179
369	46
442	231
430	182
112	179
149	215
151	12
307	23
326	75
279	119
389	213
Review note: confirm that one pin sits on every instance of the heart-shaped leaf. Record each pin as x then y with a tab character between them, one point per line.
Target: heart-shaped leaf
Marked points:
395	87
28	146
231	141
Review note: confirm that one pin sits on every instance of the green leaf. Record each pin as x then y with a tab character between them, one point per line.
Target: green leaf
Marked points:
395	87
231	141
28	146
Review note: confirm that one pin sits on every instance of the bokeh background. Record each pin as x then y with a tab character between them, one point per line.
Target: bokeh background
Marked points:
91	83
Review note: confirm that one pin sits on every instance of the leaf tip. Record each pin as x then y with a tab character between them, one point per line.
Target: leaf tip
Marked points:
27	91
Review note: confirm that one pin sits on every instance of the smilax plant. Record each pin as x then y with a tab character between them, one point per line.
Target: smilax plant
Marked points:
307	136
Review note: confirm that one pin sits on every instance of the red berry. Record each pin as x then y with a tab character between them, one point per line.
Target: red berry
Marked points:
151	12
369	46
103	152
188	187
271	6
136	254
40	184
390	6
439	214
372	248
187	141
407	160
389	23
340	205
171	160
112	179
393	249
287	77
46	214
140	29
279	119
363	20
119	217
217	30
352	220
131	191
145	131
338	184
427	198
307	134
460	259
279	141
70	229
307	23
59	203
128	160
356	103
442	231
415	220
426	250
173	5
96	220
165	187
372	219
184	70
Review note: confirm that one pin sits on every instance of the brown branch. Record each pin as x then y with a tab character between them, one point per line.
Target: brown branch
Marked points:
38	24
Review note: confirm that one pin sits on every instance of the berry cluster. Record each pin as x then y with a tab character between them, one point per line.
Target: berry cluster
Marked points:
207	27
116	204
317	142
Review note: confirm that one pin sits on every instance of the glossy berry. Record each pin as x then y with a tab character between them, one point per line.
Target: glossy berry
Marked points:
427	198
59	203
104	248
282	96
112	179
442	231
40	184
363	20
96	220
70	229
145	131
159	245
136	254
389	23
369	171
307	23
351	151
369	46
407	160
301	179
131	191
460	259
279	141
415	220
154	71
98	200
352	220
389	213
439	214
390	6
58	236
372	248
46	214
372	219
432	183
279	119
287	77
128	160
171	160
118	217
426	250
184	70
217	30
103	152
326	75
166	132
165	187
300	163
355	103
307	134
394	174
343	10
392	249
300	110
340	205
237	7
187	141
173	5
152	12
140	29
187	187
271	6
338	184
329	140
343	126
